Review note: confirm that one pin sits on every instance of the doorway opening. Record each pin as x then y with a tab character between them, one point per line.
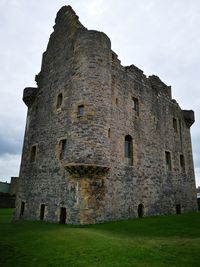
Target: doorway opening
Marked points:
42	211
140	210
62	215
178	209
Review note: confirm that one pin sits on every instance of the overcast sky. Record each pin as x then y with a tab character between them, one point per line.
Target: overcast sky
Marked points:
159	37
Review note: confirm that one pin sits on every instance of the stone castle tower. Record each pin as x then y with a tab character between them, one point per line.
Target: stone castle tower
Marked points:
102	141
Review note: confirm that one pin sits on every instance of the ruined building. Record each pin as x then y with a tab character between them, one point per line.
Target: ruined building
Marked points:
102	141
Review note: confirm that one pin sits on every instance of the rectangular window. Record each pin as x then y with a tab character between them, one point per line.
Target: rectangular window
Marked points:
168	161
180	132
182	163
175	126
63	145
59	100
135	105
81	110
33	153
127	149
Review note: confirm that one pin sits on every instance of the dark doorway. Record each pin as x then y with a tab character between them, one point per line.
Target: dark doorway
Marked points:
42	211
140	210
22	208
178	209
62	215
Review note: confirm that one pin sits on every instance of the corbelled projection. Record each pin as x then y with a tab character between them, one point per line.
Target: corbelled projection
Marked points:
102	141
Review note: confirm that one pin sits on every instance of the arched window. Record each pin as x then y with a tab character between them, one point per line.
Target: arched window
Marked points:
128	150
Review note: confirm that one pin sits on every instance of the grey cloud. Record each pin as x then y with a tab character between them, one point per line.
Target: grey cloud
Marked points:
10	143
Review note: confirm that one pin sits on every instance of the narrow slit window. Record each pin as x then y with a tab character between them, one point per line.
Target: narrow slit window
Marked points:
33	153
182	163
135	105
175	126
59	100
63	145
109	133
180	132
81	110
168	161
128	150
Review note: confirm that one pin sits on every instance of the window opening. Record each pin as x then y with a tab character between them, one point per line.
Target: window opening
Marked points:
168	160
128	150
135	104
33	153
180	132
182	163
109	133
81	110
59	100
63	145
175	126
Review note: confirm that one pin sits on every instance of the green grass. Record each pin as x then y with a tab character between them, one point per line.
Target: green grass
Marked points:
155	241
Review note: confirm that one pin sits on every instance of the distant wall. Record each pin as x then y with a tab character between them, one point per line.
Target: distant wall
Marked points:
7	201
13	185
4	187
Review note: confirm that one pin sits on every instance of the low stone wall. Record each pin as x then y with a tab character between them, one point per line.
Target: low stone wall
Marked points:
7	202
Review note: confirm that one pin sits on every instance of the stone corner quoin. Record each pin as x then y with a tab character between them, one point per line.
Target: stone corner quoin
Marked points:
102	141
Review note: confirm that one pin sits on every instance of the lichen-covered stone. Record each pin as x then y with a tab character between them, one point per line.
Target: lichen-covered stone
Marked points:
73	155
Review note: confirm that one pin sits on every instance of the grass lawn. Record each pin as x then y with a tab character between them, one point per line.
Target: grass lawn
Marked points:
155	241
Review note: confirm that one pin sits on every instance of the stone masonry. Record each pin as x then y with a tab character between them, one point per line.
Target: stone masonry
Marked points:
102	141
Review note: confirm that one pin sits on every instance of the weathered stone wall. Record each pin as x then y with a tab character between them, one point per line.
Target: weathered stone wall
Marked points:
90	177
